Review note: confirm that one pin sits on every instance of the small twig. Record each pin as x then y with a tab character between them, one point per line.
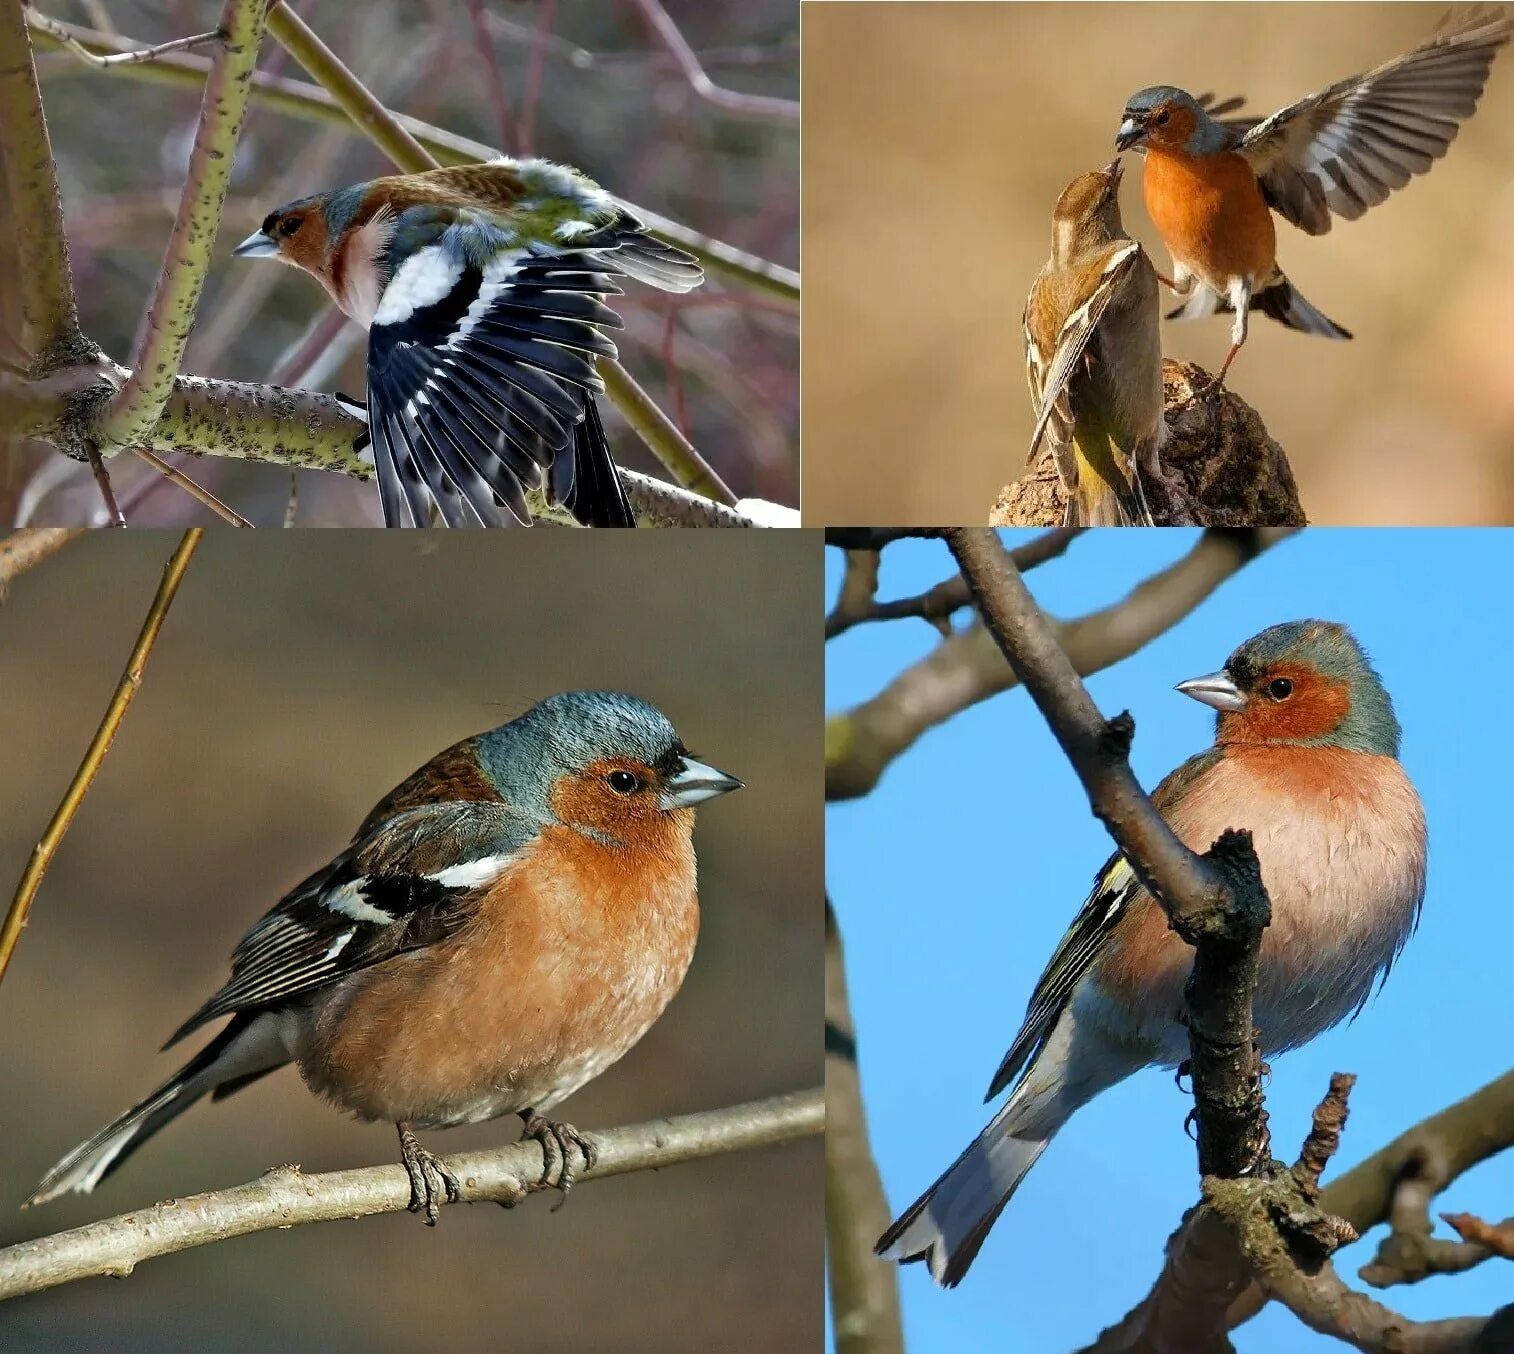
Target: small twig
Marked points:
102	478
1496	1238
732	101
24	549
196	491
1325	1134
859	585
94	755
55	29
662	436
493	77
284	1197
536	69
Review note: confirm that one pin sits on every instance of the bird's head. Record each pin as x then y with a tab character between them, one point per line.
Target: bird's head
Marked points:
1167	118
1306	683
1088	212
606	763
299	233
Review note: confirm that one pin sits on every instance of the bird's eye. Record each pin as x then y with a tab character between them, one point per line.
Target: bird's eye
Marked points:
1279	688
289	225
623	782
1161	118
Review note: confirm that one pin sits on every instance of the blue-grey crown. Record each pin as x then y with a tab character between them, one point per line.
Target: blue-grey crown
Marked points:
1154	96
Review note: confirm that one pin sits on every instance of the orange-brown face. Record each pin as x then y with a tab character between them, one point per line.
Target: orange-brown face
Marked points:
300	235
1287	701
617	796
1166	124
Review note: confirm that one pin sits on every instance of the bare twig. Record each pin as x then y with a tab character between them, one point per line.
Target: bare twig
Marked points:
102	479
60	31
223	109
1216	902
732	101
126	689
1496	1238
197	492
285	1197
24	549
1324	1138
662	435
494	80
299	99
45	284
864	1293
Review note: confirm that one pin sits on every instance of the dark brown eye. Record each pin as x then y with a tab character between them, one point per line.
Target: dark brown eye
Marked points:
1160	118
623	782
1279	688
288	226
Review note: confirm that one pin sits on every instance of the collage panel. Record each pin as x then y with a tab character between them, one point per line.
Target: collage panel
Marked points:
522	916
1006	200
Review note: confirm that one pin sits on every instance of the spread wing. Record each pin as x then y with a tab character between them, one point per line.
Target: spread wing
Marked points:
1070	343
1115	889
408	883
1346	148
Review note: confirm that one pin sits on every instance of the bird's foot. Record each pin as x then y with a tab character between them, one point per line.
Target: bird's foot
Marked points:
430	1180
1184	1069
558	1142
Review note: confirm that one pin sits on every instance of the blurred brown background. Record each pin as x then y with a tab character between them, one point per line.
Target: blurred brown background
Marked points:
297	679
937	139
587	83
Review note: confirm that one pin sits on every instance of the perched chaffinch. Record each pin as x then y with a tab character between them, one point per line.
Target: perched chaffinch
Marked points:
1093	353
1305	756
505	925
1212	184
482	289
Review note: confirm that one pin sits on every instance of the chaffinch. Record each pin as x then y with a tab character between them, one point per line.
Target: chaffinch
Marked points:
482	289
1093	353
505	925
1212	183
1305	756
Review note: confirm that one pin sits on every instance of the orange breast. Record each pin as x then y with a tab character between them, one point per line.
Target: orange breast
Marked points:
1211	215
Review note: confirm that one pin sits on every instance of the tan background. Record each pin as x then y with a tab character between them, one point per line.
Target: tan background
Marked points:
937	138
297	679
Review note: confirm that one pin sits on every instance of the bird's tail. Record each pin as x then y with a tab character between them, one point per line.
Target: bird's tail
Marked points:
248	1047
947	1224
1104	496
1278	299
595	497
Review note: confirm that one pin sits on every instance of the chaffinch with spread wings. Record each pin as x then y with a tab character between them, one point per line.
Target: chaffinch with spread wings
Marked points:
1093	354
1306	757
1213	182
482	288
504	926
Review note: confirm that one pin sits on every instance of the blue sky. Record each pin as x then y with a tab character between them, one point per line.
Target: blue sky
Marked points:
955	878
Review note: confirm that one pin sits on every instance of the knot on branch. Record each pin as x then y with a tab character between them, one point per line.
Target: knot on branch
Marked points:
1237	909
1118	735
1223	469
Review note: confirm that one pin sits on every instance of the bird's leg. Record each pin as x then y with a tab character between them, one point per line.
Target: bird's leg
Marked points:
428	1177
1240	299
557	1143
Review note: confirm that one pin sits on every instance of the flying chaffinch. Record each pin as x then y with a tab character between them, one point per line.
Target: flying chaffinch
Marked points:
1305	756
506	924
1212	183
482	289
1093	353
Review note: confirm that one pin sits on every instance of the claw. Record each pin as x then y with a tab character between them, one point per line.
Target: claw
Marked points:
429	1178
558	1141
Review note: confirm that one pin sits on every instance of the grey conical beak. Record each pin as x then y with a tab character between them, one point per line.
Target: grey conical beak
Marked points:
255	246
694	784
1215	690
1130	132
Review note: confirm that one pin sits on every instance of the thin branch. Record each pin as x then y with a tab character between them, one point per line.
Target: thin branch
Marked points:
46	285
863	742
196	491
285	1197
102	479
126	689
1216	902
60	31
27	548
223	109
299	99
864	1293
494	80
732	101
1496	1238
859	586
662	435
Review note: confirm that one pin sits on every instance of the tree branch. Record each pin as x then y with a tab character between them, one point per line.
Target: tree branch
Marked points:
864	1293
47	294
25	549
1215	902
284	1197
130	416
115	712
861	743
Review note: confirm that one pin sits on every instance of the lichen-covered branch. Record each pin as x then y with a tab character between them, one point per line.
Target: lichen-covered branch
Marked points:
223	108
285	1197
864	1293
36	209
861	743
